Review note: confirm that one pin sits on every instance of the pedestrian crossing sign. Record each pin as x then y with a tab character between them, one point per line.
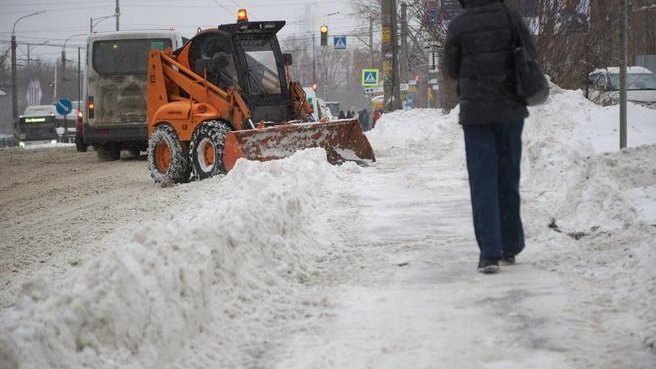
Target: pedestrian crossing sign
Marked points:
339	42
370	77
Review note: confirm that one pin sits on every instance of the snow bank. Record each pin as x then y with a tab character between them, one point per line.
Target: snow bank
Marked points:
417	129
576	178
46	145
134	306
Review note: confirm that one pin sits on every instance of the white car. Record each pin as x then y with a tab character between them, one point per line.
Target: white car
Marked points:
641	86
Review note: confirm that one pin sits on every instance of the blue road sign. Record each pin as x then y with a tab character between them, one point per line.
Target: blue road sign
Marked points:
339	42
369	78
64	106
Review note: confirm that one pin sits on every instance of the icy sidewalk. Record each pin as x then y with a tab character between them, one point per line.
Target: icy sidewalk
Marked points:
418	301
581	295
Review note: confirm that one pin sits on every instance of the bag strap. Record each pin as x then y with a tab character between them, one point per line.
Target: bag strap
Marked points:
516	35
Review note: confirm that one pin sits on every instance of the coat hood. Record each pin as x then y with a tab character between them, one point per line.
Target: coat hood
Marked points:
473	3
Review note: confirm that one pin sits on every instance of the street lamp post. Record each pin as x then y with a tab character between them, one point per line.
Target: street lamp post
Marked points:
99	20
14	90
29	49
63	58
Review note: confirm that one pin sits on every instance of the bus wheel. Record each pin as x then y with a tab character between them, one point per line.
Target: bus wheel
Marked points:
167	162
108	152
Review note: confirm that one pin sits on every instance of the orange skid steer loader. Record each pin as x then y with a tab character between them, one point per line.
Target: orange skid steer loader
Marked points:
227	94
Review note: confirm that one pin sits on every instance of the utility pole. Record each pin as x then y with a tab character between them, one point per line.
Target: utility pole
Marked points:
79	80
14	89
54	90
371	40
404	42
314	61
624	25
390	49
117	13
63	72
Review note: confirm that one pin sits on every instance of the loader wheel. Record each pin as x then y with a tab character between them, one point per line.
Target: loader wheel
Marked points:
108	152
167	162
206	149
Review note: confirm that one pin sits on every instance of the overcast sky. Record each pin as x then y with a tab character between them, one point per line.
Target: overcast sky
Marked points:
64	18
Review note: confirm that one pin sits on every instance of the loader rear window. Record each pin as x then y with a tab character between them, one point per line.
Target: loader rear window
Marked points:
125	56
262	70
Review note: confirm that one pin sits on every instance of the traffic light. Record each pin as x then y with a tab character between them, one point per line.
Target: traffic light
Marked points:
324	35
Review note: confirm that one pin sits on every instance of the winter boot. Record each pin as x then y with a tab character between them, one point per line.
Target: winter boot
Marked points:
487	266
508	260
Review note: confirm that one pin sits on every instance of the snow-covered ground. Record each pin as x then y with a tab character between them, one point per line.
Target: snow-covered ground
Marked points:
299	264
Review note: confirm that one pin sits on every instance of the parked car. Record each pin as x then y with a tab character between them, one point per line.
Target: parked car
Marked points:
605	83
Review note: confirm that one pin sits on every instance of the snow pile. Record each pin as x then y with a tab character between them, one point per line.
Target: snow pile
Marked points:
417	129
46	145
572	166
136	305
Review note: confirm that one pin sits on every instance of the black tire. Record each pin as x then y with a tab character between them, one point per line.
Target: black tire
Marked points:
164	141
206	149
108	152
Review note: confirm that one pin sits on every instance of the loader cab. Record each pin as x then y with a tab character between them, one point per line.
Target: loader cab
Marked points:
247	55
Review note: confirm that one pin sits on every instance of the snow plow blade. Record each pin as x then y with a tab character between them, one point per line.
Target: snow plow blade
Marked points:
343	141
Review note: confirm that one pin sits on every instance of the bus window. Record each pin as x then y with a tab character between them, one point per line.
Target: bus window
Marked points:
132	54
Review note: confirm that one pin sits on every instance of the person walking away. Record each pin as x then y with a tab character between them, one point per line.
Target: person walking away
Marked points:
365	119
478	54
363	124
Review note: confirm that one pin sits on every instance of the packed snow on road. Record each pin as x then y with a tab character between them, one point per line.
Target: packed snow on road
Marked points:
299	264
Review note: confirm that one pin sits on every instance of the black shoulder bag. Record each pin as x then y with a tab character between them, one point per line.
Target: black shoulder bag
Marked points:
531	84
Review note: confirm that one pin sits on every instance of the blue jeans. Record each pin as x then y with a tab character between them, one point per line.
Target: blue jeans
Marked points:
493	159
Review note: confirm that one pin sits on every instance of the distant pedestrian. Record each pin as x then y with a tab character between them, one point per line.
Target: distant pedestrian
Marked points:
377	115
478	54
363	117
341	115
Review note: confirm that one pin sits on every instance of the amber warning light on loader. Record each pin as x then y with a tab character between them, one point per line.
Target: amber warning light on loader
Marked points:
242	15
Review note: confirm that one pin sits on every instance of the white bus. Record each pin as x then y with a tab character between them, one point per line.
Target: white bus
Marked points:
114	116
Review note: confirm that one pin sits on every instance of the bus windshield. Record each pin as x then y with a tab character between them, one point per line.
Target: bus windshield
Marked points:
129	56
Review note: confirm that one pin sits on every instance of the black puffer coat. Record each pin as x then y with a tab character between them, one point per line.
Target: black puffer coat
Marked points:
479	55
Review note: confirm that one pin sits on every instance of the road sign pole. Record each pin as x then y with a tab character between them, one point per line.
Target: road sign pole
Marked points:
624	25
390	52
